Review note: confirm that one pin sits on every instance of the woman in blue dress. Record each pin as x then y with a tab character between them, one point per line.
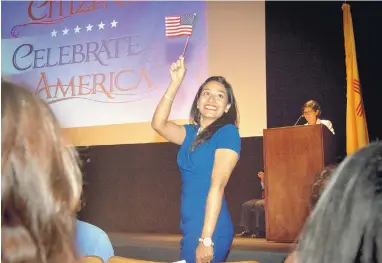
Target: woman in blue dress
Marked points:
209	151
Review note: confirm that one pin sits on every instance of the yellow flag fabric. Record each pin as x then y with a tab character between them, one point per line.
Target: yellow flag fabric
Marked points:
356	126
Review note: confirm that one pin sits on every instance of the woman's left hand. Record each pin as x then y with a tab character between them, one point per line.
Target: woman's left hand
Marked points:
204	254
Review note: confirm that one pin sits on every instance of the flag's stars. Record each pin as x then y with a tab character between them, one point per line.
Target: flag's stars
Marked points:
114	23
101	26
65	31
77	29
89	28
54	33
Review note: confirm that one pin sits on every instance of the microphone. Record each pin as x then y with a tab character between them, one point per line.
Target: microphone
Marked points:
298	120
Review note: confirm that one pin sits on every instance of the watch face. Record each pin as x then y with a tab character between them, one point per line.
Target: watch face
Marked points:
207	242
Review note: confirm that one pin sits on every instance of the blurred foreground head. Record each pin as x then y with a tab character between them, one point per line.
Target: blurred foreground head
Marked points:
40	182
346	223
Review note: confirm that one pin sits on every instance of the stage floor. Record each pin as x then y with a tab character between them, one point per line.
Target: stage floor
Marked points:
160	247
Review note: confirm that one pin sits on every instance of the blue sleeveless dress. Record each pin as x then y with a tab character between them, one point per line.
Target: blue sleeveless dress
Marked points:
196	169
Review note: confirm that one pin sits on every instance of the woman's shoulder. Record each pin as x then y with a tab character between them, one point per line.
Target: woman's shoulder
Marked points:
85	228
227	127
191	130
191	127
228	137
228	130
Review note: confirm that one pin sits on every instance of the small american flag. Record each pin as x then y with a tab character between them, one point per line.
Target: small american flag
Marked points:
177	26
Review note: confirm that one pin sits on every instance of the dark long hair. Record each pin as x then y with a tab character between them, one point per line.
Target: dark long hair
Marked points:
230	117
41	182
345	226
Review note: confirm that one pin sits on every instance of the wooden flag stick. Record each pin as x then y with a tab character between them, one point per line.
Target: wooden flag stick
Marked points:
188	37
185	46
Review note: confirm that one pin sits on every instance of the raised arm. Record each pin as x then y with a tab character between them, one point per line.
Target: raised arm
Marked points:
160	123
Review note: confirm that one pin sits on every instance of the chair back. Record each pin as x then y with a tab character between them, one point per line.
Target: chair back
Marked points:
91	259
117	259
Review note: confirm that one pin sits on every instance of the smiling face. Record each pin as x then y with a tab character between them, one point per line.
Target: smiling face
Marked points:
213	101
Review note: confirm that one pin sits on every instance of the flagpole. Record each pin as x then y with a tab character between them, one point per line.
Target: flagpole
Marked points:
185	47
188	37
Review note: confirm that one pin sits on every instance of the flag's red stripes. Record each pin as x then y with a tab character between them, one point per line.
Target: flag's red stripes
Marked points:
174	27
360	109
357	89
172	24
172	21
356	86
179	27
172	17
179	34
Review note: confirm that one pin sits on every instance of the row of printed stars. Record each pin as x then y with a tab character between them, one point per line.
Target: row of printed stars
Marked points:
88	28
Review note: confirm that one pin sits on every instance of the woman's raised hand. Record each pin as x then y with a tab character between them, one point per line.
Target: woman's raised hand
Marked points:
178	70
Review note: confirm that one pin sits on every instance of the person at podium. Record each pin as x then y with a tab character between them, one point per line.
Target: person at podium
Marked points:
311	110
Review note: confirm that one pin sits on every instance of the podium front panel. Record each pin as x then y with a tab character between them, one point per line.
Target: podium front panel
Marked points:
292	157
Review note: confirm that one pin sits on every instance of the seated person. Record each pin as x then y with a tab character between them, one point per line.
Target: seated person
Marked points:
311	110
253	215
319	184
93	241
90	239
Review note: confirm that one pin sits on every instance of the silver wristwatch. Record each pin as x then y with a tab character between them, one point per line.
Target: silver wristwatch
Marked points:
207	241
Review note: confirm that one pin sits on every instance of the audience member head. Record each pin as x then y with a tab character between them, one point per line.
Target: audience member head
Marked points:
319	184
345	225
311	110
40	182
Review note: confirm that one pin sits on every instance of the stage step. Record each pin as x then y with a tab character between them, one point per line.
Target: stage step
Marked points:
160	247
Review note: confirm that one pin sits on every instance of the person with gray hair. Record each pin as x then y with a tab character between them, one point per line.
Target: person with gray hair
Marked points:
346	223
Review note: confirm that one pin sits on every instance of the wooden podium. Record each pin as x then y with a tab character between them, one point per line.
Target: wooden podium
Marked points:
292	157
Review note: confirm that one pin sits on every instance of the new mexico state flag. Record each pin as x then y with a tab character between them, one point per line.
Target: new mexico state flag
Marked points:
356	126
